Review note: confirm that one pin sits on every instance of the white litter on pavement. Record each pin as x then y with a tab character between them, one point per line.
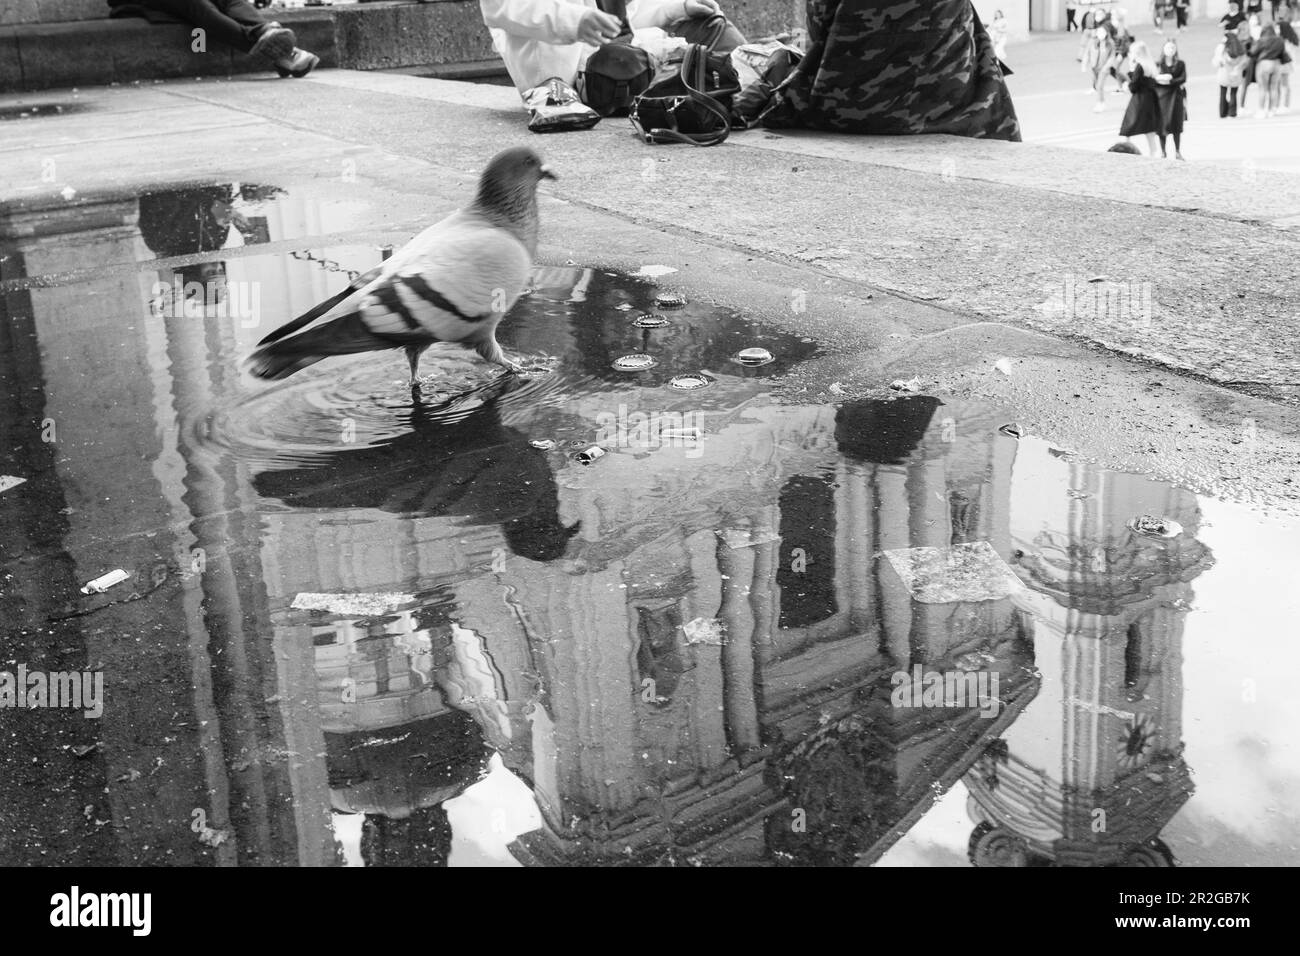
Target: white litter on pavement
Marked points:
653	272
10	481
104	582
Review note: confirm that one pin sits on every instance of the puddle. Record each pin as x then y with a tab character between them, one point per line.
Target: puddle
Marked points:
364	630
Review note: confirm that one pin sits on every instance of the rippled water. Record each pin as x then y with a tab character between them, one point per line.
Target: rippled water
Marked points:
364	629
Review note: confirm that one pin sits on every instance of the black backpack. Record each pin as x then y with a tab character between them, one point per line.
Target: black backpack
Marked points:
618	71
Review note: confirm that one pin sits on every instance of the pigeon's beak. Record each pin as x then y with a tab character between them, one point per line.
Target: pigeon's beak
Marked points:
548	173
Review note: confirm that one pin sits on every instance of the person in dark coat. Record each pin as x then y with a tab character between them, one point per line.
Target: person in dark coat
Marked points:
234	23
1142	118
893	67
1171	94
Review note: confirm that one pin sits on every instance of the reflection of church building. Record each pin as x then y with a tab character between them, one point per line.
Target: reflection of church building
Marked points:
644	738
1095	770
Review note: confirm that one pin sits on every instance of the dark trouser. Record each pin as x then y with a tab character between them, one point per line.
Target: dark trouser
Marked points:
1069	20
692	31
232	22
1227	101
1180	15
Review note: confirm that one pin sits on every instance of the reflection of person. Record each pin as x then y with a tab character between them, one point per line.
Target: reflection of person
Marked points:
183	222
545	42
908	66
234	23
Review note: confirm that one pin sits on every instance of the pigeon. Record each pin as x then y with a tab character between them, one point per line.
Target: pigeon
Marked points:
451	283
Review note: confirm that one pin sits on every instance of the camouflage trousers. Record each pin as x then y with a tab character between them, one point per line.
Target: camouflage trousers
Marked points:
896	67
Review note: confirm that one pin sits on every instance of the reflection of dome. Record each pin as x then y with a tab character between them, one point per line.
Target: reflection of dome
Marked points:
397	771
1103	576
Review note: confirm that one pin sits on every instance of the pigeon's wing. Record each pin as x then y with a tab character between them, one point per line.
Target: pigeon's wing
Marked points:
449	287
349	299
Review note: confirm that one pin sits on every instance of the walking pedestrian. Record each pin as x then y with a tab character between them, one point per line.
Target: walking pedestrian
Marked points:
1233	17
234	23
1098	61
1180	13
1229	61
1171	94
998	34
1142	117
1070	8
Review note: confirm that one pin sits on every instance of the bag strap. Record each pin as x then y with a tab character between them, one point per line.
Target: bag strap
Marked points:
694	62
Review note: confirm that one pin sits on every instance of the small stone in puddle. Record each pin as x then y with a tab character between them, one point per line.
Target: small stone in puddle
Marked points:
705	630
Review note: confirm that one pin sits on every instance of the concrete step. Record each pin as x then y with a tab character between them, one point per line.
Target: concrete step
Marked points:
437	37
51	11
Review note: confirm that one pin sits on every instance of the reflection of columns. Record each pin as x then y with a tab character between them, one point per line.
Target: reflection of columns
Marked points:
736	566
763	592
857	520
895	601
995	510
709	699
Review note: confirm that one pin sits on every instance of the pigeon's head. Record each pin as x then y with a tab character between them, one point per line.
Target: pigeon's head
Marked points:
512	177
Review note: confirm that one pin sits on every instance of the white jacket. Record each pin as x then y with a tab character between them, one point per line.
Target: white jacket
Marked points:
538	39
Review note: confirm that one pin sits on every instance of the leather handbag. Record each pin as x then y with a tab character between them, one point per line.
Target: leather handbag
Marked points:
689	100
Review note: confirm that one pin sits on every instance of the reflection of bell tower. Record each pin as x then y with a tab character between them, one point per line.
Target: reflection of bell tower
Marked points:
1094	771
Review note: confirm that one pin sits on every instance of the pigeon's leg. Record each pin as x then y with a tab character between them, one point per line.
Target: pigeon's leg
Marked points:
413	353
491	351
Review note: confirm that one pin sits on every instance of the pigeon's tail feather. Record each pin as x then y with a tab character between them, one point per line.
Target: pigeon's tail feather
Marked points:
343	336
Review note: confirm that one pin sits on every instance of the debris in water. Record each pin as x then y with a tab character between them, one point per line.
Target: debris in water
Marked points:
67	192
908	385
653	272
705	630
84	750
351	605
1155	527
736	538
835	388
211	837
1013	429
963	572
634	363
10	481
545	444
105	581
587	456
681	434
650	320
754	356
670	300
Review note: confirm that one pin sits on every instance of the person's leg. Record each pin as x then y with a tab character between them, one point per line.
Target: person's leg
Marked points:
1151	144
232	22
1178	144
1163	154
1232	102
1223	102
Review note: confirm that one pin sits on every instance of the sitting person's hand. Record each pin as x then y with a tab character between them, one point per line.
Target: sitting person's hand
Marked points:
702	8
597	27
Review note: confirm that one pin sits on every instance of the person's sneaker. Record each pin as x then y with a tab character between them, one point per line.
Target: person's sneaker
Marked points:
555	107
1099	108
299	64
1282	110
274	43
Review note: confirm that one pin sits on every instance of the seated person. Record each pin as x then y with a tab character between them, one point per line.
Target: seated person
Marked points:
891	67
234	23
546	42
